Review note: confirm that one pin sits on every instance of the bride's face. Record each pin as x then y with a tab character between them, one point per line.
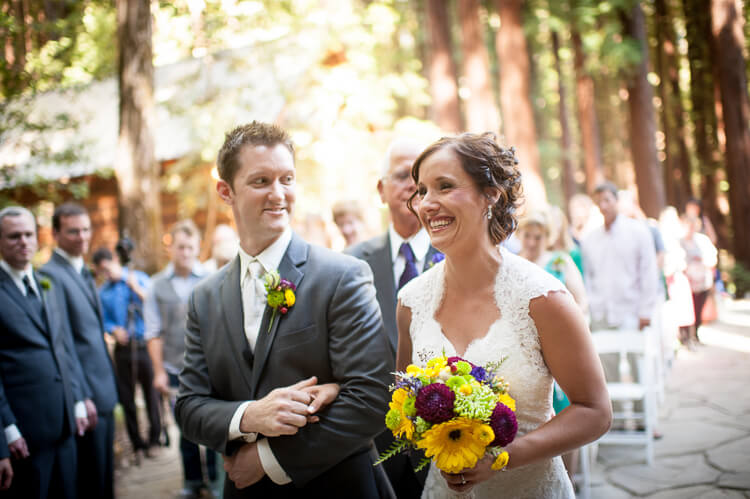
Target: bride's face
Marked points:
449	203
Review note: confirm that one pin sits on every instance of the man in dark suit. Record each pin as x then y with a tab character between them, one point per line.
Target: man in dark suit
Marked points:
39	377
248	386
71	228
396	257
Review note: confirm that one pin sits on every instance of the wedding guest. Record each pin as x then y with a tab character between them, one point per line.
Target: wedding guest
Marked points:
261	385
41	399
122	297
165	314
395	257
700	257
224	246
71	228
560	238
349	217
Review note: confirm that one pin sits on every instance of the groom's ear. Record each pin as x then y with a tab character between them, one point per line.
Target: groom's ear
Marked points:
225	191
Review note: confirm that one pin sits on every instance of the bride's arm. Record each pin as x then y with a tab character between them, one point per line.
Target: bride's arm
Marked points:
573	362
403	321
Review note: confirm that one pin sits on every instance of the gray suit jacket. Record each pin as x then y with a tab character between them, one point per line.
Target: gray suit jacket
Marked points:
377	253
38	384
84	312
334	331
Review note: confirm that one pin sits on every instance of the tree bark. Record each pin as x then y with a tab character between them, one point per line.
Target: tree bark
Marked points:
569	183
136	169
727	31
592	151
442	73
648	176
700	59
515	99
677	161
481	111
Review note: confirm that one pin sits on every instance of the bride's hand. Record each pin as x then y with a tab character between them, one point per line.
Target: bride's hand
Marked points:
468	478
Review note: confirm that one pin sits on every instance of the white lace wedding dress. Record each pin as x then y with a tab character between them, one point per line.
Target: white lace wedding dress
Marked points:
513	336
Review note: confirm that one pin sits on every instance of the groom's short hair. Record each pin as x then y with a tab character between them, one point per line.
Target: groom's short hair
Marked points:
256	133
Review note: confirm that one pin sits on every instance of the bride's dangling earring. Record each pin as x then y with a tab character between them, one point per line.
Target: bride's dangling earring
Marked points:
489	213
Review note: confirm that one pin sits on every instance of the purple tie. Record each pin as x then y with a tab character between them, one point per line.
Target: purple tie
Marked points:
410	269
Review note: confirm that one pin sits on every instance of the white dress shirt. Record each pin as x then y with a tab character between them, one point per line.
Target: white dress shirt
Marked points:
75	261
620	273
12	433
420	245
252	269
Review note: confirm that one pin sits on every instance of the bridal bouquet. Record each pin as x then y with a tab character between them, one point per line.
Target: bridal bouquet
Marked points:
454	410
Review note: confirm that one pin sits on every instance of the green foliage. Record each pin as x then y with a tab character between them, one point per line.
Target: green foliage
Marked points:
740	275
396	447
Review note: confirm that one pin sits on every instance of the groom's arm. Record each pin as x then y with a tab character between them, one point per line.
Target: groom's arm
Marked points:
361	363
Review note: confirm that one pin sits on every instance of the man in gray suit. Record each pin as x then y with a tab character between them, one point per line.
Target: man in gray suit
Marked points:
396	257
248	387
39	377
71	228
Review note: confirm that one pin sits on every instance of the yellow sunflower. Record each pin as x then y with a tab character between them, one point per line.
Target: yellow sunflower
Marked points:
405	426
506	399
456	444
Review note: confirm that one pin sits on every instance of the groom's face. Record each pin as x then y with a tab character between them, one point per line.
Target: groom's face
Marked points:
262	194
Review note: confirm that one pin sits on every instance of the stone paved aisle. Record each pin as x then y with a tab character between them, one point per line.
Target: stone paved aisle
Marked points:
705	419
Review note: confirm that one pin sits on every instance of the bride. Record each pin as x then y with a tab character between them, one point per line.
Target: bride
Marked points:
483	303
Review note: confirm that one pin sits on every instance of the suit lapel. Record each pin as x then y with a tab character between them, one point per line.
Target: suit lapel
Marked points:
21	300
294	257
234	323
382	269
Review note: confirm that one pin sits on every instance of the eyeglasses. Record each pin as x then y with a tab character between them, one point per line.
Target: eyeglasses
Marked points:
400	177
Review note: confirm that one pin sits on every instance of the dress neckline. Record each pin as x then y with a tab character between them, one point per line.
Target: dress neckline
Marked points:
439	298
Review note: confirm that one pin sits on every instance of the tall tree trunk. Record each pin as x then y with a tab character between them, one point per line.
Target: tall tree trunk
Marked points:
515	99
442	73
481	111
700	57
727	30
677	161
592	151
136	169
569	183
648	176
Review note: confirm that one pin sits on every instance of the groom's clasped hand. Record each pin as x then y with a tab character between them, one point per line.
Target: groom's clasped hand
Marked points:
284	410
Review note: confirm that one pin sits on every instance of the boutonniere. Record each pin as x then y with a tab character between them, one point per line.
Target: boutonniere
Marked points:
279	294
437	257
45	283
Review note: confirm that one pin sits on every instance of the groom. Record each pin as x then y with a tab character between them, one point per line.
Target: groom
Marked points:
248	387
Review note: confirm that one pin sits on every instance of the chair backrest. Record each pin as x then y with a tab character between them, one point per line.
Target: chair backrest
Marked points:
624	342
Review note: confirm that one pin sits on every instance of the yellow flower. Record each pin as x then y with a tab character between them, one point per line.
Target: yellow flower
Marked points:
289	296
456	444
413	370
405	426
466	389
501	461
506	399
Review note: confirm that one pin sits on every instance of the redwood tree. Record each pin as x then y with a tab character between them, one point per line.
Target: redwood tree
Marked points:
677	161
727	31
648	176
136	168
442	69
481	111
515	98
569	183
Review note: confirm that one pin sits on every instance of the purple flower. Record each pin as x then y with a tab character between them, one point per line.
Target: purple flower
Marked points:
411	384
435	403
453	360
504	424
480	374
285	284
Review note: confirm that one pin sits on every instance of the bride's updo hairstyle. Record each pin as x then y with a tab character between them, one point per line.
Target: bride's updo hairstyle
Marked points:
491	166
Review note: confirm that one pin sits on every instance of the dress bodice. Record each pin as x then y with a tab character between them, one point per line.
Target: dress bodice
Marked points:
512	337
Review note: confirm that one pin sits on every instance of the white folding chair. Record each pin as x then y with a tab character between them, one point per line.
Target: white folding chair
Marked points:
628	390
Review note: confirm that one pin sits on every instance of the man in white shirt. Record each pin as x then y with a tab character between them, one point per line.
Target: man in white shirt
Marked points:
249	386
39	379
